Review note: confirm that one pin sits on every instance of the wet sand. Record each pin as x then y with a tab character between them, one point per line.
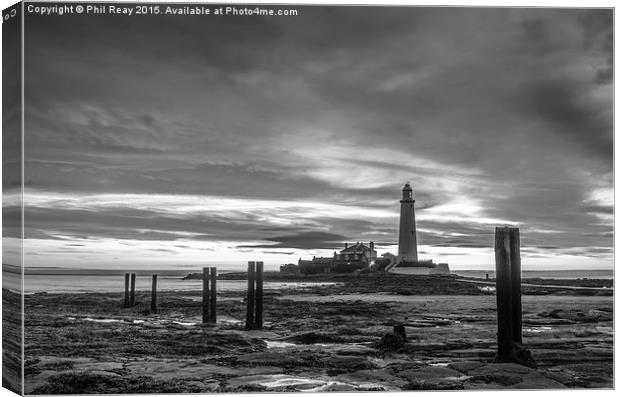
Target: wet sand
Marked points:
325	338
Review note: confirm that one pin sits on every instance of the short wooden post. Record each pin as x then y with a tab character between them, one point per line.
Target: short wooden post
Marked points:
213	295
154	295
132	297
126	300
258	318
249	318
508	291
205	295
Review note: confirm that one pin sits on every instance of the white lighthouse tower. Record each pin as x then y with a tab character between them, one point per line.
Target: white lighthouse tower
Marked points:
407	240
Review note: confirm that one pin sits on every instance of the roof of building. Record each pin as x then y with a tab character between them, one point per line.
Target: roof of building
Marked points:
356	248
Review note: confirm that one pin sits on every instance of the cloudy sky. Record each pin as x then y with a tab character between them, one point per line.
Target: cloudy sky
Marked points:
170	141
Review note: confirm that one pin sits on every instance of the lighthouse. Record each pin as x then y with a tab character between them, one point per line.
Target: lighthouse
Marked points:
407	240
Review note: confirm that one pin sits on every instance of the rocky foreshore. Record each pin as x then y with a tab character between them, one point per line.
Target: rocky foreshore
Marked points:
324	338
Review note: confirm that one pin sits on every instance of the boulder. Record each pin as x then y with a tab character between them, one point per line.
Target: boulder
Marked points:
510	375
400	329
392	341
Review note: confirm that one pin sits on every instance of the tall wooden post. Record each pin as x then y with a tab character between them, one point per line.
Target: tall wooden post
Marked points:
515	279
132	297
258	318
508	291
126	301
249	318
205	294
154	295
213	295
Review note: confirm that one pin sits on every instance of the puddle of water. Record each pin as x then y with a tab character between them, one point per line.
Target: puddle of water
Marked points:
224	320
229	320
102	320
537	330
336	386
605	330
384	362
304	384
182	323
285	380
279	381
339	345
106	320
274	344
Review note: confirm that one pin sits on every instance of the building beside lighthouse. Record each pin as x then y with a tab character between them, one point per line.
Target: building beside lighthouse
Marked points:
352	258
407	238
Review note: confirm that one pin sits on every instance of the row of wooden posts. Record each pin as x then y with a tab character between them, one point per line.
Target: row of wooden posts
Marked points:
254	301
130	292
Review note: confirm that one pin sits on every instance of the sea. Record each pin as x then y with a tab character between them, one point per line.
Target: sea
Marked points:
94	281
546	274
55	284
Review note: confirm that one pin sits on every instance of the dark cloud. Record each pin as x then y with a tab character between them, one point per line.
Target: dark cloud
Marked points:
306	240
598	209
562	106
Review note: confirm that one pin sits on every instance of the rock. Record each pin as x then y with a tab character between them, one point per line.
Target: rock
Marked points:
271	359
501	368
208	385
560	377
441	385
343	364
465	366
598	382
510	375
428	373
378	376
432	378
391	342
579	316
400	330
314	337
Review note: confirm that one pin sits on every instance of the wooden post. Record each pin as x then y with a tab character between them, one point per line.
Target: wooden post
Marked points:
213	295
154	295
258	318
249	318
132	297
205	294
126	301
515	277
508	291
